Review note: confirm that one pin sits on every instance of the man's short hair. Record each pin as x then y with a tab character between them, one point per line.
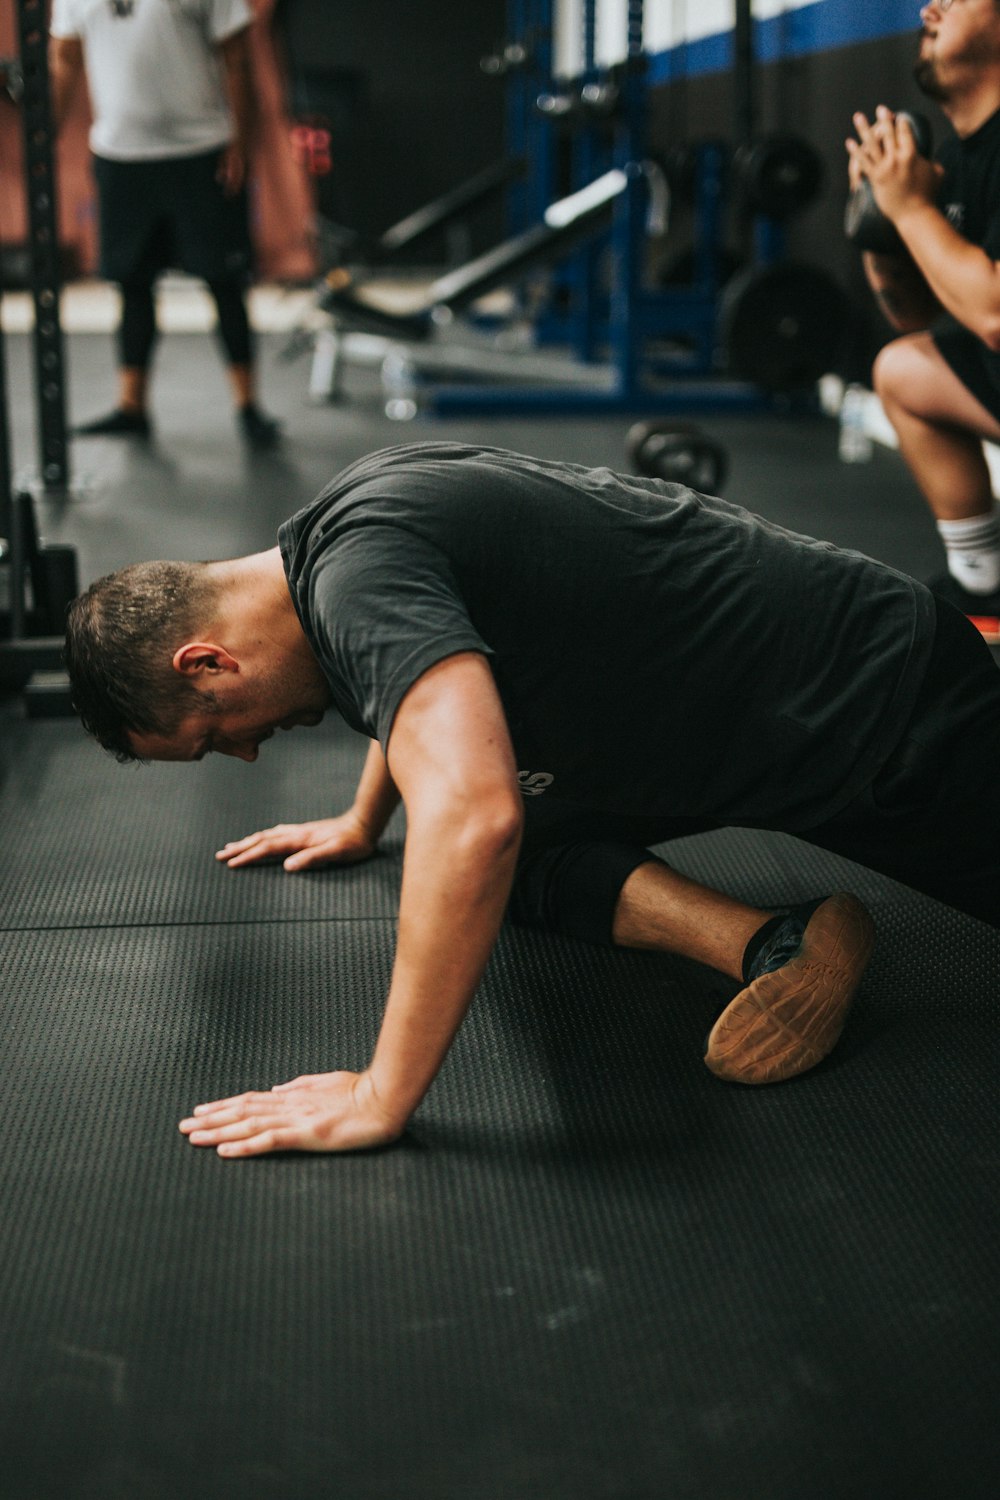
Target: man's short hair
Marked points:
121	636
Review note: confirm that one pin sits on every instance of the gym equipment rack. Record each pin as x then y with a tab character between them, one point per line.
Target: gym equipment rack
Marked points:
31	651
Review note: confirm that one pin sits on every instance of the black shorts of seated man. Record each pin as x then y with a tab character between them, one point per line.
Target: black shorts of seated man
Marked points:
940	289
557	668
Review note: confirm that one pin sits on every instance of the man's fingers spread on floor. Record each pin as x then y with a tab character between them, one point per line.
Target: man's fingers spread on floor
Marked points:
253	853
237	846
258	1145
267	843
307	859
225	1111
234	1101
236	1130
213	1120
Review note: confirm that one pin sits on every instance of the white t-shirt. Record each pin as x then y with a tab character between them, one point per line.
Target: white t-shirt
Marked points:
153	72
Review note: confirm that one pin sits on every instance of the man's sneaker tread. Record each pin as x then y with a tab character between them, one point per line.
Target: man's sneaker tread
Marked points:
788	1020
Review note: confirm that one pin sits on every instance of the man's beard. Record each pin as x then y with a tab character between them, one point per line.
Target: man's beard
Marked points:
980	52
925	74
927	81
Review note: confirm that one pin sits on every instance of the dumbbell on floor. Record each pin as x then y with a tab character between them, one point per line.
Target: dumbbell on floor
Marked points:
865	225
678	452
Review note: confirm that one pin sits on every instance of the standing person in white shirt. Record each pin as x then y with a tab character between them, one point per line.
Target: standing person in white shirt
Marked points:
172	96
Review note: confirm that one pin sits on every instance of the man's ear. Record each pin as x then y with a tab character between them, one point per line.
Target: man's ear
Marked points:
197	657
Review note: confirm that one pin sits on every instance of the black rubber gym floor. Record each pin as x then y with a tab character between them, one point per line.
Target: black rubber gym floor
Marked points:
590	1271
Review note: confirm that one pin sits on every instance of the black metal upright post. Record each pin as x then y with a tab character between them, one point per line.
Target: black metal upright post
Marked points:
31	661
744	96
39	177
10	530
5	463
13	534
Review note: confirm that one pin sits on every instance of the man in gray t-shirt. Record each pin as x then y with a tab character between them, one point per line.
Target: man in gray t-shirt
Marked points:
558	668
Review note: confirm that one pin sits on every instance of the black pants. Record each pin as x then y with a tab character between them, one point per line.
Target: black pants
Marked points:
930	818
137	330
173	214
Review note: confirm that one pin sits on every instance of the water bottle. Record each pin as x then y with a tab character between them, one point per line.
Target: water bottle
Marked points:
855	445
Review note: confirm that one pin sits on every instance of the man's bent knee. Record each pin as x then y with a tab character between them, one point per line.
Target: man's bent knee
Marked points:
894	375
912	379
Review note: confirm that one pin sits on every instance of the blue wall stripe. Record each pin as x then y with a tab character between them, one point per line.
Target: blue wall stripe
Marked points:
821	26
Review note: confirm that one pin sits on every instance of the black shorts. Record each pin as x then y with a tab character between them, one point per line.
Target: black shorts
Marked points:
170	214
976	367
930	818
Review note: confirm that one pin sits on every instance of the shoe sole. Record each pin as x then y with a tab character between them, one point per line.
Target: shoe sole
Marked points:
789	1020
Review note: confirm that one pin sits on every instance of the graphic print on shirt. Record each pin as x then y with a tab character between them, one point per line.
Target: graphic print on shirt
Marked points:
534	783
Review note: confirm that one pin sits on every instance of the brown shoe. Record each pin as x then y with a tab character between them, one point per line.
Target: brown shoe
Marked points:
789	1019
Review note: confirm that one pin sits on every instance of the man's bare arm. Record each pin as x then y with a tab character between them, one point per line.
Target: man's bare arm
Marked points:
451	757
237	70
963	278
902	293
65	71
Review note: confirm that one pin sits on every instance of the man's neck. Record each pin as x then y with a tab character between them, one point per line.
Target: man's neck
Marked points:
259	622
967	111
258	602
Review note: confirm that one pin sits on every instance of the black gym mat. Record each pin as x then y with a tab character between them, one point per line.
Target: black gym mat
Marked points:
589	1271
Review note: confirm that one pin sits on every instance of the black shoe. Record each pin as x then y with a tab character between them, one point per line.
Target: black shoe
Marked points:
118	423
260	432
983	610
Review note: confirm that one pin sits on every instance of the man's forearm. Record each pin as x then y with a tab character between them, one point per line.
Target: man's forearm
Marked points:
902	293
964	279
377	797
238	73
65	70
456	883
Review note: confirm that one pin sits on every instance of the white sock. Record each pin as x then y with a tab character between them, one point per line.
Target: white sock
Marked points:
973	548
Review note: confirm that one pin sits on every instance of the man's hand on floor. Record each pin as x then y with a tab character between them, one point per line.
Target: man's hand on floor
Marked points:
303	846
318	1112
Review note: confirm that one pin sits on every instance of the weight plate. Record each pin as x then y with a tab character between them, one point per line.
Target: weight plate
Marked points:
779	175
782	325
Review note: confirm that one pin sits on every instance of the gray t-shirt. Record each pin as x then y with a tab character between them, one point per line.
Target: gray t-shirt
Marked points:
657	652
